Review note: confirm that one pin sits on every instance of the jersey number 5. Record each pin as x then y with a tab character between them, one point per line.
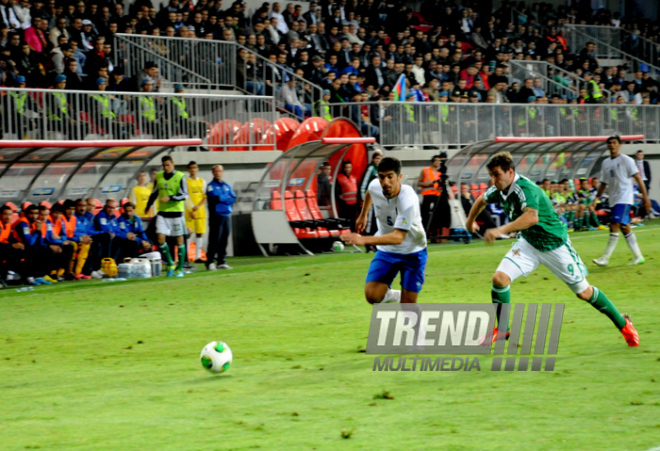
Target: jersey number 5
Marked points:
389	221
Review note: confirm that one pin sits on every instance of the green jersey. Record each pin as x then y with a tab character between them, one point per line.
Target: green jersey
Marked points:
546	235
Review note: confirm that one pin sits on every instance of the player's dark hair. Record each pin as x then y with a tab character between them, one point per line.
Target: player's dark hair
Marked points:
546	180
5	208
166	158
503	160
617	137
192	163
127	204
59	208
390	164
43	208
30	208
69	204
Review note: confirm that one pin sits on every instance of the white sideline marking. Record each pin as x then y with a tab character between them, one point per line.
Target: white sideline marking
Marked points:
231	274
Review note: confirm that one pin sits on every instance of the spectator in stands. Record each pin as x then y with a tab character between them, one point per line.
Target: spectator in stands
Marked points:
104	229
131	239
147	110
220	198
288	97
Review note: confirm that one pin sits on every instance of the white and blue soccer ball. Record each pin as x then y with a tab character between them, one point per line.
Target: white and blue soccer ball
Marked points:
216	357
337	246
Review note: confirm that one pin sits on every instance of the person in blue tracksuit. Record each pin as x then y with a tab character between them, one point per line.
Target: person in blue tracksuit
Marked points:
220	197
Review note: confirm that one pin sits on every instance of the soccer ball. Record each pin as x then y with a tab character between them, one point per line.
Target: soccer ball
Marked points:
337	246
216	357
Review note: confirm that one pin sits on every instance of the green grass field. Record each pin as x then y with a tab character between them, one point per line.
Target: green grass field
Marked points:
100	366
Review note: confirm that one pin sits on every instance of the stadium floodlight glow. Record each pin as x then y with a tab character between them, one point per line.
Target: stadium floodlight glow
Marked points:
558	139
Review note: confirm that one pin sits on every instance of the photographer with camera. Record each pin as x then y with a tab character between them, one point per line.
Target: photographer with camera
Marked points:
432	180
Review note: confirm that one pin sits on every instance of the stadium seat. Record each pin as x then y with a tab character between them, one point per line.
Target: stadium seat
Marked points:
99	206
305	215
302	229
482	188
333	224
474	189
223	132
45	203
276	201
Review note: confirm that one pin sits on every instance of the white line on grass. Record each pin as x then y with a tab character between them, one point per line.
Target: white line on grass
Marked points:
457	247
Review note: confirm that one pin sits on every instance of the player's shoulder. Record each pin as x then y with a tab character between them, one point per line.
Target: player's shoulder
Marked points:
408	193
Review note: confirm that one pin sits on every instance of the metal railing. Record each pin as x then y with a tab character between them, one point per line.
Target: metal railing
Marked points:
222	122
196	63
209	64
554	79
577	39
626	40
442	125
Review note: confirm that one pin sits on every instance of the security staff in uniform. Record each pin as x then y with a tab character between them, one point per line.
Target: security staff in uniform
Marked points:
428	181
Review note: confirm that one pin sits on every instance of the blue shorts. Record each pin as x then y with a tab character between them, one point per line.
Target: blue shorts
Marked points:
621	214
386	265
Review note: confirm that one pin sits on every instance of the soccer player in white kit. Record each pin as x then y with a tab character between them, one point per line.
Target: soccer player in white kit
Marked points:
400	240
616	174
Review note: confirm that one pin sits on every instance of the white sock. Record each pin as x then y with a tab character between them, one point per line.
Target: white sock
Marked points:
631	239
199	242
392	296
611	244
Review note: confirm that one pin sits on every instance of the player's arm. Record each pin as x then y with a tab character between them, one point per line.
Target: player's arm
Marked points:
642	189
479	205
601	190
527	219
152	199
395	237
182	195
361	222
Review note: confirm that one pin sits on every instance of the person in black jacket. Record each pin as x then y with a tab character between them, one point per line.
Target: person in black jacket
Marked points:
644	169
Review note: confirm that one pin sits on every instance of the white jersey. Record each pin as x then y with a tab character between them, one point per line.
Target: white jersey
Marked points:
617	173
401	212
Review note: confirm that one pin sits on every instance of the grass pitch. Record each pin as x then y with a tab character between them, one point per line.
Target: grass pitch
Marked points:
100	366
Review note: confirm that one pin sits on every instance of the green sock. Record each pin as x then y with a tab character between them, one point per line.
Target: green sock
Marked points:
499	296
578	223
594	218
165	250
600	302
182	257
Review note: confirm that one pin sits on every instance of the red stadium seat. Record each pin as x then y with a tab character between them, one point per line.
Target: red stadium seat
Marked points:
300	228
45	203
474	189
276	201
13	206
305	215
482	188
223	132
99	206
334	224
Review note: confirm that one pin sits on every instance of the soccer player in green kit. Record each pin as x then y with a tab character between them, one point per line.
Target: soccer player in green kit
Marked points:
543	240
171	190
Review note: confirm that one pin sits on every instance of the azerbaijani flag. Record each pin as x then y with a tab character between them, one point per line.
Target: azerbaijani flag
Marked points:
400	89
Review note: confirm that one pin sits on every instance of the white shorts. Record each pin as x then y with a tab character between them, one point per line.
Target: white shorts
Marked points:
170	226
564	263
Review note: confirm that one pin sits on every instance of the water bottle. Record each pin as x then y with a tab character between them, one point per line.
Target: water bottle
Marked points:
24	289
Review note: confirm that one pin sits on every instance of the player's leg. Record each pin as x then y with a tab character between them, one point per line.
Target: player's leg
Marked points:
566	264
631	239
225	228
178	226
521	260
382	271
212	245
619	213
200	230
162	231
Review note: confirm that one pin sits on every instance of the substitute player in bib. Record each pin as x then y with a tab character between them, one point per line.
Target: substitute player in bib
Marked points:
195	208
171	190
543	241
400	239
616	173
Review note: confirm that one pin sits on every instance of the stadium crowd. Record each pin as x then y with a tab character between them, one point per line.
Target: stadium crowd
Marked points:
461	52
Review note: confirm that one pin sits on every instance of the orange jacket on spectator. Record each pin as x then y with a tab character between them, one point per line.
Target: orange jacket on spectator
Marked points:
349	188
5	232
